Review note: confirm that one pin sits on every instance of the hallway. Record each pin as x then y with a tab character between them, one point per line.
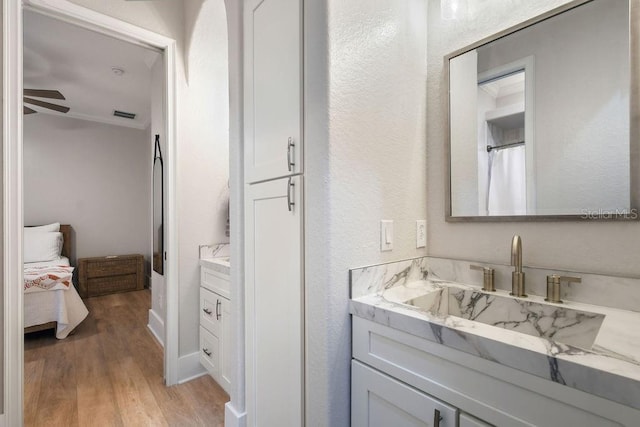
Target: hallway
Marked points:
109	373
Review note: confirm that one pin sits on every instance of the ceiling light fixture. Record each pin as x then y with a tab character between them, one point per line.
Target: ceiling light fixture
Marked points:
117	71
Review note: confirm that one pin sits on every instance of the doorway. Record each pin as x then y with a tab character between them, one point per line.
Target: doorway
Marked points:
13	175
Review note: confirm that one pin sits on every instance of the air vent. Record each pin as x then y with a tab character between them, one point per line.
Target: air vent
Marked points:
124	114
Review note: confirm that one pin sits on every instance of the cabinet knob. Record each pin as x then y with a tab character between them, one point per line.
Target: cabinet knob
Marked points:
553	286
206	351
207	311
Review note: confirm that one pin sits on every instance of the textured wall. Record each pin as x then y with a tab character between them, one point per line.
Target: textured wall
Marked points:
203	152
372	168
93	176
583	246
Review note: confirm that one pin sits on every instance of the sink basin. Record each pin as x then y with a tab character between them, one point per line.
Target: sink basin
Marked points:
554	322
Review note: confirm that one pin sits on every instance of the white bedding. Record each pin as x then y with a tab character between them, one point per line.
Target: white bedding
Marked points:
63	260
62	306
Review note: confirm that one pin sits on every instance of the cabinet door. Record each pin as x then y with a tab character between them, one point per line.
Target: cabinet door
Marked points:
378	400
274	303
273	89
226	362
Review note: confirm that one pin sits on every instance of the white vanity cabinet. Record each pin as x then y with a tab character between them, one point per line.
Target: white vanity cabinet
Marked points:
215	325
482	393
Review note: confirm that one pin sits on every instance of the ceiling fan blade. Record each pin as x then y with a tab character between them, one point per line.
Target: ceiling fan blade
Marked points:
27	110
41	93
48	105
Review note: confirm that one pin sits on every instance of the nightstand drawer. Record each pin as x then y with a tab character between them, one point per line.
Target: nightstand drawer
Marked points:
110	284
112	266
106	275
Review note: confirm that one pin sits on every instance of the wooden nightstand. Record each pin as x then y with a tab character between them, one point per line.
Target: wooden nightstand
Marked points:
111	274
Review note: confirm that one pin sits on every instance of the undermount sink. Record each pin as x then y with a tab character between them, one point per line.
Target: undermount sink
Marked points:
557	323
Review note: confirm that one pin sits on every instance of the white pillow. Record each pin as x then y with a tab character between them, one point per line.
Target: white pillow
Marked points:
40	247
55	227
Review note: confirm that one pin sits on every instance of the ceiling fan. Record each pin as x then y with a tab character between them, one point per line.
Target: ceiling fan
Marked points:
41	93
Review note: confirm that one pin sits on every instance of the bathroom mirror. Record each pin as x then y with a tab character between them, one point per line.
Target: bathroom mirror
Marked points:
544	117
158	209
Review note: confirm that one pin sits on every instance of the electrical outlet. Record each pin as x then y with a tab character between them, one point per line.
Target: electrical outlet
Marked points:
421	233
386	235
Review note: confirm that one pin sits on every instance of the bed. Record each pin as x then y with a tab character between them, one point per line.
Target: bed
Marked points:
54	305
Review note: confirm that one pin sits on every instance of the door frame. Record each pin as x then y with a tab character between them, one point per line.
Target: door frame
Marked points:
13	220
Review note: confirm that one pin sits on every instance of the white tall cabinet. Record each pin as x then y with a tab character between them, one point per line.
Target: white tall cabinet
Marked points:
273	150
274	305
273	89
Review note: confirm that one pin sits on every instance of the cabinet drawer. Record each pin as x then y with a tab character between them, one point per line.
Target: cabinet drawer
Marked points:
215	281
110	267
211	311
209	351
110	284
467	420
105	275
377	400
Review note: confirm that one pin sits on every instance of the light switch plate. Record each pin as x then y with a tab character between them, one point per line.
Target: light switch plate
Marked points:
386	235
421	233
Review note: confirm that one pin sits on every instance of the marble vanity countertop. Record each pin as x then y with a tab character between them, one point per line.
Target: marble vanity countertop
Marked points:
219	264
611	369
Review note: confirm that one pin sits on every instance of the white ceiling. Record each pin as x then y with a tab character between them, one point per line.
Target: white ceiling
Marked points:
79	62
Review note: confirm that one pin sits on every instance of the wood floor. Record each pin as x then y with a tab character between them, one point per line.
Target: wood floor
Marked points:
109	373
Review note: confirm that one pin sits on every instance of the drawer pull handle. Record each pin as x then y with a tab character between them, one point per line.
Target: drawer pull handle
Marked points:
206	351
207	311
436	418
218	304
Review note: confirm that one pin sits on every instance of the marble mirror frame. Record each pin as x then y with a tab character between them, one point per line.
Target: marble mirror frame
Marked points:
634	122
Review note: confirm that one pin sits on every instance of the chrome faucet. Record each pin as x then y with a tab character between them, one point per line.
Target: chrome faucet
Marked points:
517	277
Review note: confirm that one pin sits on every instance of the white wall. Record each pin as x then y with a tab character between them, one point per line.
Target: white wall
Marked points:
366	164
93	176
202	142
605	247
203	153
464	139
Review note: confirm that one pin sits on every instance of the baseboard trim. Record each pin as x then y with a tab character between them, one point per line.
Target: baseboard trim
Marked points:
156	326
189	367
233	418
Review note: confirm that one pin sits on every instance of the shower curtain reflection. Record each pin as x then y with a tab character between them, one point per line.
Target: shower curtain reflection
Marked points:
507	184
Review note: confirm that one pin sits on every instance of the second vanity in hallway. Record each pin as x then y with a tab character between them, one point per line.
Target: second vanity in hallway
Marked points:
215	313
418	360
